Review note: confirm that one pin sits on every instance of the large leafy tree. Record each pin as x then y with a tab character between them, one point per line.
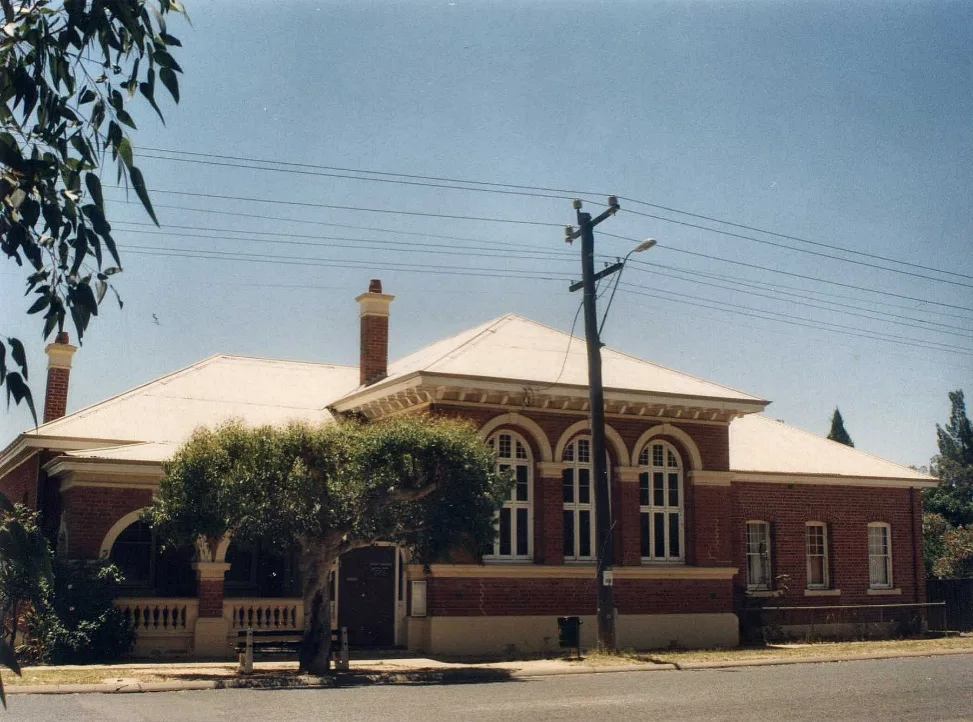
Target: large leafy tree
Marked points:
838	432
953	498
428	484
67	72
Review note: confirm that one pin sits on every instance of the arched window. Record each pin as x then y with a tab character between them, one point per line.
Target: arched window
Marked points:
516	519
661	503
579	500
133	553
151	567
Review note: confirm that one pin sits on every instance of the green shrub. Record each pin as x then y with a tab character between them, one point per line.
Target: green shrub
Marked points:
78	623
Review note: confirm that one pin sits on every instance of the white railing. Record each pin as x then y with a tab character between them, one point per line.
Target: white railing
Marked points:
152	617
264	613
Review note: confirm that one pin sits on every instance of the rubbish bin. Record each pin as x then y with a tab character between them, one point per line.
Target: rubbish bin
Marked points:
569	633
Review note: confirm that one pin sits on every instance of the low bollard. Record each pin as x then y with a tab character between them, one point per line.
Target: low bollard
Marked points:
246	657
341	659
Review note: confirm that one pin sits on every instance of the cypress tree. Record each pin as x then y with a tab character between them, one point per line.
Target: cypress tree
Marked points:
838	432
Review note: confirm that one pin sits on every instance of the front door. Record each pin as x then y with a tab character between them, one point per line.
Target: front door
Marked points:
366	596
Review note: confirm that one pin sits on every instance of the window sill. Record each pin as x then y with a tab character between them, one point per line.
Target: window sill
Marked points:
883	592
502	560
822	592
650	562
762	593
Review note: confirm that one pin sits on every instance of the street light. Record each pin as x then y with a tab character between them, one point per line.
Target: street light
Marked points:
643	246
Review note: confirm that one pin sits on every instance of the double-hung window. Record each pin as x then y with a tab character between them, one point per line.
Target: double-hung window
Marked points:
661	503
879	555
514	522
579	501
816	545
758	555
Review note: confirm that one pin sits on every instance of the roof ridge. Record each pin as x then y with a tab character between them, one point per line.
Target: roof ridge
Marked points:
483	328
282	360
844	446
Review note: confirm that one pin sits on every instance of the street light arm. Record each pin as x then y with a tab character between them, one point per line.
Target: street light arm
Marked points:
643	246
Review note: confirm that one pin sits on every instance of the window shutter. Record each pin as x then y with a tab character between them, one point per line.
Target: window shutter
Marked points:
773	554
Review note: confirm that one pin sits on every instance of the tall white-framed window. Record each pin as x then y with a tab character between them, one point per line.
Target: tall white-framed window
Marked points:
661	503
879	555
758	555
816	549
579	501
515	520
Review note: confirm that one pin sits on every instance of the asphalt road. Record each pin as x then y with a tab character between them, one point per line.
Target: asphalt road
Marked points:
930	688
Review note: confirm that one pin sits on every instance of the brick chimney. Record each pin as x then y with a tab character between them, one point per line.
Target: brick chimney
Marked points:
59	356
374	312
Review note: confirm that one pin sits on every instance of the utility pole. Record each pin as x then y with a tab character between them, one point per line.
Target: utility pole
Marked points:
603	518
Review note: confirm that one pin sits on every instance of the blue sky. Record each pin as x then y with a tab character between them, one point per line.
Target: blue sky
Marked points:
841	123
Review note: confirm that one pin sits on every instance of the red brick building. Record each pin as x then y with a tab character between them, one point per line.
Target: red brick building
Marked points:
717	508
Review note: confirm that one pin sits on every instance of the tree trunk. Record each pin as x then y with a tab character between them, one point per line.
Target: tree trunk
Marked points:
316	561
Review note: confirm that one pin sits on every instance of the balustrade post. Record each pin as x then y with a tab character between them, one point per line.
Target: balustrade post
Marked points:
210	633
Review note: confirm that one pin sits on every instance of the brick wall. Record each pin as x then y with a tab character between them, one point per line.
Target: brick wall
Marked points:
502	597
89	512
19	485
374	342
847	511
56	396
706	543
210	594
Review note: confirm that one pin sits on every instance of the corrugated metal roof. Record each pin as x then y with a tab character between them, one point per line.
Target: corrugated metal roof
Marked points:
516	348
257	391
761	444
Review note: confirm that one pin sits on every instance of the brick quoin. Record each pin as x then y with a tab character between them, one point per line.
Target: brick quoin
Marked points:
847	510
90	511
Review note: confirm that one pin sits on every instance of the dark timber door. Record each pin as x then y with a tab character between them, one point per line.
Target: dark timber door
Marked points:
366	596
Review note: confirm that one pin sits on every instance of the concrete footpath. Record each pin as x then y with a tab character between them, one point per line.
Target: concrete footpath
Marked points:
130	678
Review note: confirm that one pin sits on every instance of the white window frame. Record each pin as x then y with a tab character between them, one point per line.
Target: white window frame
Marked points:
768	583
825	582
649	466
887	556
512	461
570	459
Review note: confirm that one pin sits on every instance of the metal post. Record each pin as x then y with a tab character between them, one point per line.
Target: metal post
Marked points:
248	654
341	663
603	522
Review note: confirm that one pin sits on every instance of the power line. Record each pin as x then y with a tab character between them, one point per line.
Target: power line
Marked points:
776	287
794	248
507	273
556	225
354	208
891	318
811	278
442	249
539	253
555	193
808	323
777	290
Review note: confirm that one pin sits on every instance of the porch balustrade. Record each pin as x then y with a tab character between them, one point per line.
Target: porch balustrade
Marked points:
264	614
159	616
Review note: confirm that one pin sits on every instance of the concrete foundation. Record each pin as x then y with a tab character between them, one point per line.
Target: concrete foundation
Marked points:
504	635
